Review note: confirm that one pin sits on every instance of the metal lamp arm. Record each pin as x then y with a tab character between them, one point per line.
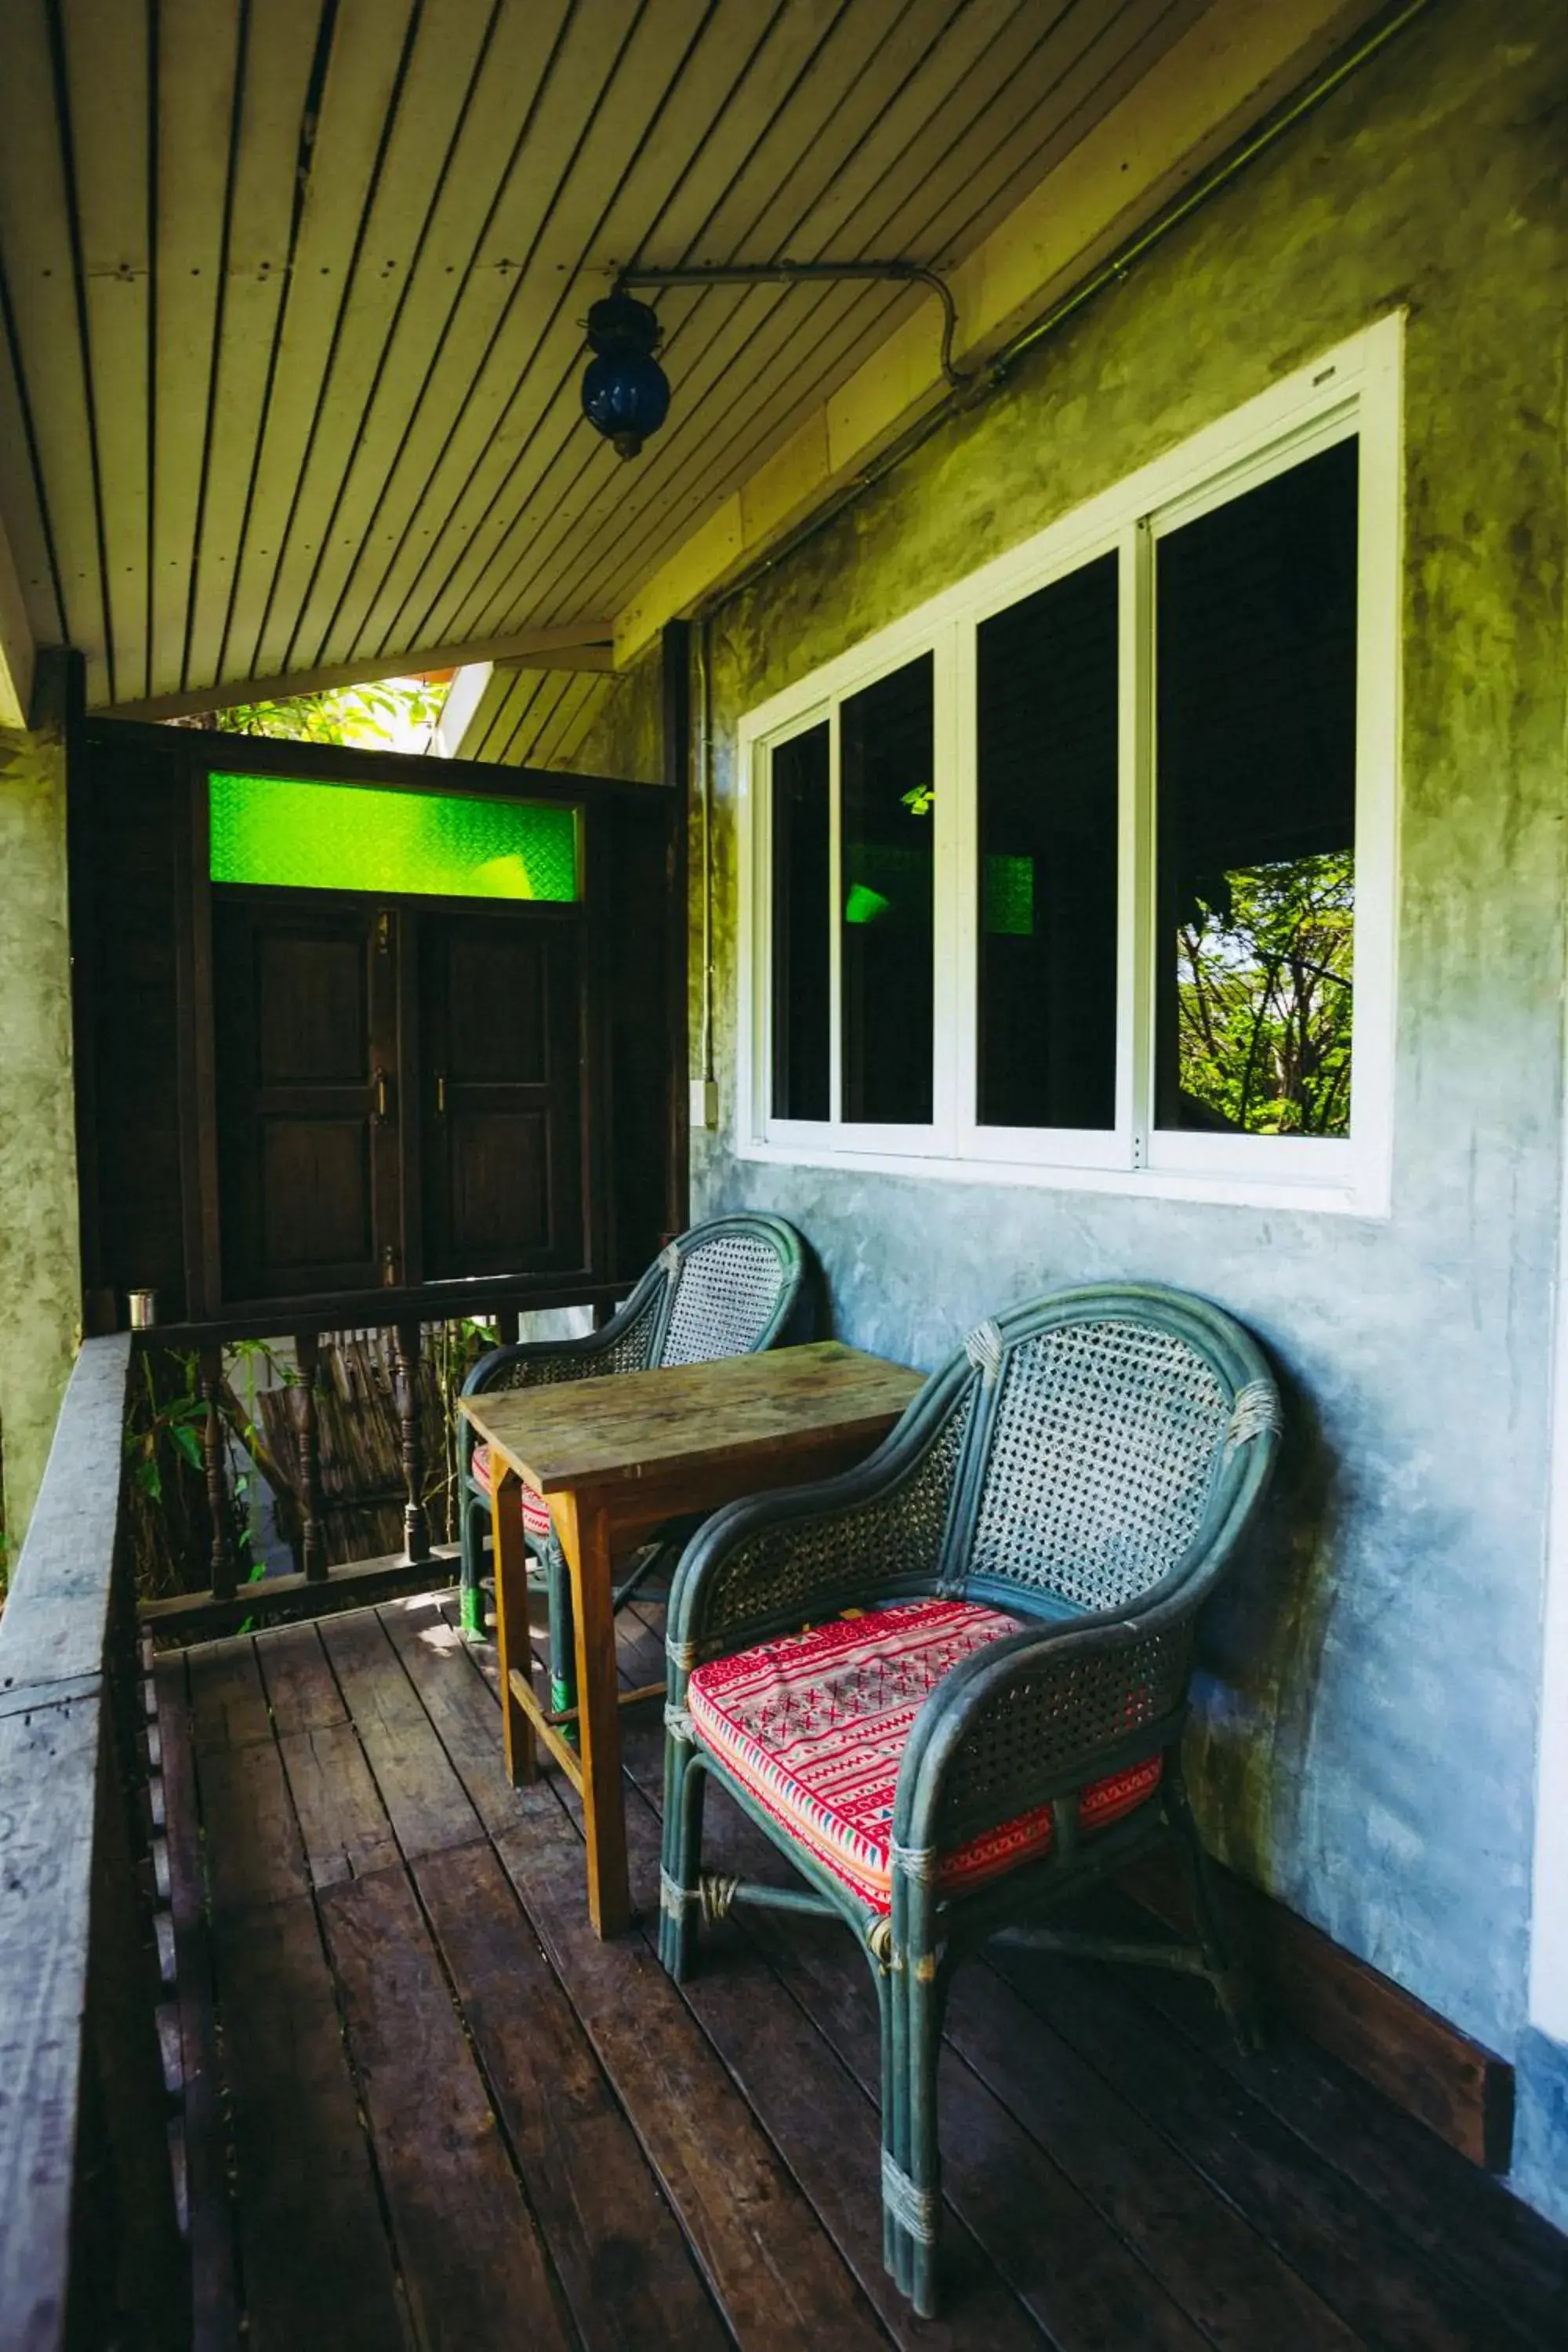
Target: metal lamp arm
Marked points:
790	273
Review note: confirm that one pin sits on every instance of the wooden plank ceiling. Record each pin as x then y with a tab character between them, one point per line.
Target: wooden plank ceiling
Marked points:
293	290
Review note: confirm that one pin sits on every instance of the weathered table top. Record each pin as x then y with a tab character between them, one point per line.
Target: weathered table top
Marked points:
632	1425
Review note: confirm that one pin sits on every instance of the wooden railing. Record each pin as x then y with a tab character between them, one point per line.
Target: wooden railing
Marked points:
90	2250
408	1315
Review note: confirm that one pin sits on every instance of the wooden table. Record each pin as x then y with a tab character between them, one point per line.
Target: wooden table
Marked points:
616	1459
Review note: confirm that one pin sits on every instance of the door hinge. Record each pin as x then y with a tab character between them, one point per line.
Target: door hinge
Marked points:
384	931
441	1093
389	1267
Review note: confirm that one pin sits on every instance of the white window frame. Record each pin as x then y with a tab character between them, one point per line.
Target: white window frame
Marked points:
1353	389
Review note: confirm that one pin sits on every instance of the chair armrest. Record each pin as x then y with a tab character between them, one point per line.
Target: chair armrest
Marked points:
530	1363
767	1563
620	1347
1033	1716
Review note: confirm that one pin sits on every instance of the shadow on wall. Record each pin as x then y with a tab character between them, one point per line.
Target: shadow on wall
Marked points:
1260	1654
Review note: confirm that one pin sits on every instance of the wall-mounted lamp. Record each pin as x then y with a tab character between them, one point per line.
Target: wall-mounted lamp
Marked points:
626	392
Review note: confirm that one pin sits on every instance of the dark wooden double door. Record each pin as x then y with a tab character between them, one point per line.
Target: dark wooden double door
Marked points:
400	1091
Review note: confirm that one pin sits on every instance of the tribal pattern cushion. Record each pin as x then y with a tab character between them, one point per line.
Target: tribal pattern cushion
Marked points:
535	1509
815	1726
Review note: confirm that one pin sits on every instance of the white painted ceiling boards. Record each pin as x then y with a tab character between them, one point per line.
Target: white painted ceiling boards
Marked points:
291	291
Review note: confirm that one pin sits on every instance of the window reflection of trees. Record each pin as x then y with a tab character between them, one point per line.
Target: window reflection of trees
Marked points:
1264	996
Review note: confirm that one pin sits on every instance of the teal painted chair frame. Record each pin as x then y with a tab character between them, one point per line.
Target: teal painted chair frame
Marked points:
734	1286
1098	1684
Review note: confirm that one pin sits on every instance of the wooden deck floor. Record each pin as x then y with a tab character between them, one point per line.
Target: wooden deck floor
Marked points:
441	2114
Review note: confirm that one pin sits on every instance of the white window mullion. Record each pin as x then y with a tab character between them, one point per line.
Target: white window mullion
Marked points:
1135	1001
835	930
953	945
1379	591
754	767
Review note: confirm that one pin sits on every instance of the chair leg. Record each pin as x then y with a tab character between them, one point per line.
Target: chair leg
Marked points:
685	1782
563	1637
911	2192
890	2018
652	1554
562	1649
1231	1984
470	1591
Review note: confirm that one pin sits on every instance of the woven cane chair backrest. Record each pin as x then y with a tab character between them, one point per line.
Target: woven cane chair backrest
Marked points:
1106	1437
628	1352
728	1290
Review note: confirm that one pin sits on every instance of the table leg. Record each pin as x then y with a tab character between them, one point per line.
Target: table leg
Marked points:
512	1643
585	1536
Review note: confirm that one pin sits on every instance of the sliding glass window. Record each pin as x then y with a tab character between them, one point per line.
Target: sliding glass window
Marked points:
802	906
1086	869
888	896
1255	790
1047	697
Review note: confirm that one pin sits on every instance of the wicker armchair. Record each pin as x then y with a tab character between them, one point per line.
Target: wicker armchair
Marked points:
730	1287
985	1709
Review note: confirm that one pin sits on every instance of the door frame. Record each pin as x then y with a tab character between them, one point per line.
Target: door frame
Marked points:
597	798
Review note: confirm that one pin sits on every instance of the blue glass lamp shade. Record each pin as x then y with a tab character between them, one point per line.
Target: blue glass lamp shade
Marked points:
626	392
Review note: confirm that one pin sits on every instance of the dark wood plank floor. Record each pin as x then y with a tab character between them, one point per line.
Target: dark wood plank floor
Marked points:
440	2114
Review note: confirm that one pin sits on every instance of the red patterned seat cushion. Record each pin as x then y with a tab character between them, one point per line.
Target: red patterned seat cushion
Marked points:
815	1726
535	1509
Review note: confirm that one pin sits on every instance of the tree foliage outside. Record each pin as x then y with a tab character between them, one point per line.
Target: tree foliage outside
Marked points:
368	715
1264	998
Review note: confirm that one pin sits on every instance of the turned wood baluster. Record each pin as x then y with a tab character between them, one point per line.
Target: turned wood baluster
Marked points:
417	1530
214	1460
307	1353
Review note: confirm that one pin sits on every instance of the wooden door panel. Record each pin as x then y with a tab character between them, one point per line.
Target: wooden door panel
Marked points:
501	1018
307	1048
497	992
313	1009
499	1164
315	1195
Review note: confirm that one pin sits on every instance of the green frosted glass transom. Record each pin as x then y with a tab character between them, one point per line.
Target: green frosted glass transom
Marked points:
350	837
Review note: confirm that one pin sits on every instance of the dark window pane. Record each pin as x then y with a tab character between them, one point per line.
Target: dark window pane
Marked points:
1047	722
1256	621
888	869
802	912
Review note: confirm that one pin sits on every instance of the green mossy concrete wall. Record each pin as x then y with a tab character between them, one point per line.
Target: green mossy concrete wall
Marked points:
40	1273
1367	1747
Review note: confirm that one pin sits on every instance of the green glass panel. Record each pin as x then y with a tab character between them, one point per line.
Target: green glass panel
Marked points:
348	837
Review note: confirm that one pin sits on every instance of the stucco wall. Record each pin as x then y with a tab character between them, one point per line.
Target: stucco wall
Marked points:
40	1276
1368	1736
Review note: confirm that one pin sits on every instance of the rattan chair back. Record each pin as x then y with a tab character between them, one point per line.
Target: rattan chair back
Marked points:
730	1283
728	1288
1106	1424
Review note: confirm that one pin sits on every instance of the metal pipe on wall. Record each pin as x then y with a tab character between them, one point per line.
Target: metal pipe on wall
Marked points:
705	790
975	388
